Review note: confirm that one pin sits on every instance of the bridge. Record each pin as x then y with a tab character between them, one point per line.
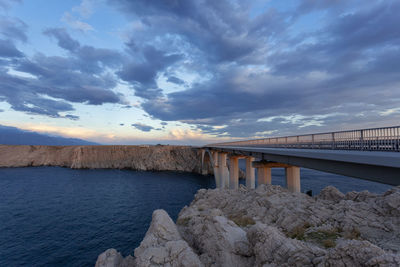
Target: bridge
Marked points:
370	154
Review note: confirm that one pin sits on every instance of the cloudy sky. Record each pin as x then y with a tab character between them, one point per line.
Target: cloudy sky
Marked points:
194	72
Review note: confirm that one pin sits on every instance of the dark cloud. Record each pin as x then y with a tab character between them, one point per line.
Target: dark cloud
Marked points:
22	95
142	74
276	64
63	39
221	30
248	68
14	29
56	81
173	79
72	117
142	127
8	49
62	78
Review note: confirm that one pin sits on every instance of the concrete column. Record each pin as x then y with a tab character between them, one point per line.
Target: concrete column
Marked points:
216	169
223	170
203	154
263	175
293	178
233	172
250	173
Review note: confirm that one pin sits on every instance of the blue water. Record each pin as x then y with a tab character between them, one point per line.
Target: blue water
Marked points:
65	217
62	217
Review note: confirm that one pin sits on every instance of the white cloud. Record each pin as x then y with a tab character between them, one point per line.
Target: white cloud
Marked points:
85	9
390	111
76	23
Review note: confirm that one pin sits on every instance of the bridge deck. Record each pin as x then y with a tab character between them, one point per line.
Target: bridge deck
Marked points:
383	167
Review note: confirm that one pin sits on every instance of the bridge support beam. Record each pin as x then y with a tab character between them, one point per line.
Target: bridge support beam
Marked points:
203	154
216	169
233	172
263	175
293	178
250	173
223	170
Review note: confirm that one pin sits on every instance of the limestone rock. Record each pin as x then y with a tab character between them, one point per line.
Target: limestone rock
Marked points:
272	247
154	158
163	245
270	226
109	258
331	193
359	253
218	240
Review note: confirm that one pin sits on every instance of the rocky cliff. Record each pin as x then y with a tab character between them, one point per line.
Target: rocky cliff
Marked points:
271	226
152	158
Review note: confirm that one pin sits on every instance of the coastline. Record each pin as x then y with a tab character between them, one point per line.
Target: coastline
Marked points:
141	158
270	226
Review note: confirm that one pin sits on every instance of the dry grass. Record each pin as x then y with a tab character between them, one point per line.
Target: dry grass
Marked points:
353	234
183	221
242	221
299	231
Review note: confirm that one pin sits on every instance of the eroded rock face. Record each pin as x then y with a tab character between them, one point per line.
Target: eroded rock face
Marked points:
144	158
289	229
270	226
162	246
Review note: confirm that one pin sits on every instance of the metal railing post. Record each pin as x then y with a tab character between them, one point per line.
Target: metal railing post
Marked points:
312	141
362	139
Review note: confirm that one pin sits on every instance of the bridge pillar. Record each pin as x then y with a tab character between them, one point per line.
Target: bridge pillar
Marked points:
293	178
263	175
216	169
203	153
233	172
223	170
250	173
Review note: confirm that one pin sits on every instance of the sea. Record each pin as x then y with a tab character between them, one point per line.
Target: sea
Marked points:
53	216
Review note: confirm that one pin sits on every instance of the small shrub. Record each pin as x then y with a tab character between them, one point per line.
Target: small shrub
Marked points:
353	234
328	243
298	232
325	238
183	221
242	221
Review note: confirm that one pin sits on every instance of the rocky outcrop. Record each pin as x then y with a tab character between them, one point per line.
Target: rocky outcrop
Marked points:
162	246
271	226
145	158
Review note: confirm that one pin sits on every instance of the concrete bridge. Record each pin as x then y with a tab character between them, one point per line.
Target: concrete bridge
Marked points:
370	154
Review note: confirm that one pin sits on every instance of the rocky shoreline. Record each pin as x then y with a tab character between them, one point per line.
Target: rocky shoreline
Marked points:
143	158
270	226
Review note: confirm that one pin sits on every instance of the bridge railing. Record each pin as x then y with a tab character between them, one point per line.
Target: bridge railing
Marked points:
374	139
